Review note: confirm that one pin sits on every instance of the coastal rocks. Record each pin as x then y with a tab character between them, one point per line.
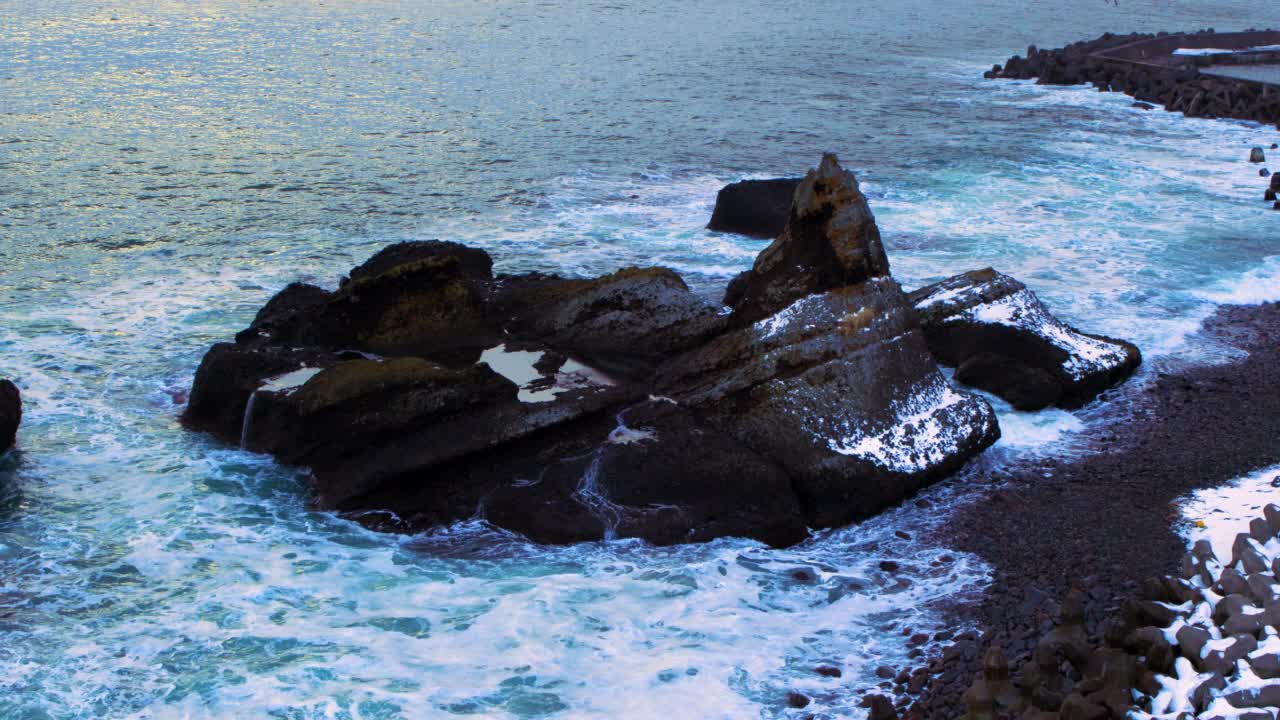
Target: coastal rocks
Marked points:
840	389
1182	649
1001	338
10	414
426	390
756	208
629	320
1171	82
830	241
1257	155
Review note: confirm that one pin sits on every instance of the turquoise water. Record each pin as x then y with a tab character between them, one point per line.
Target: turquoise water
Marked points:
169	166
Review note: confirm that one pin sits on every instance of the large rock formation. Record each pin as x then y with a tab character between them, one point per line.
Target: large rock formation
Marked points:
830	241
1001	338
757	208
426	390
10	414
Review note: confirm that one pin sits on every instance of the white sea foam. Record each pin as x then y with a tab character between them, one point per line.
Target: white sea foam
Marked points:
1253	287
1219	514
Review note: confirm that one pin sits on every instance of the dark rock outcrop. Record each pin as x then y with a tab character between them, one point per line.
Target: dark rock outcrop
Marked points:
10	414
1001	338
757	208
1174	83
840	389
425	390
830	241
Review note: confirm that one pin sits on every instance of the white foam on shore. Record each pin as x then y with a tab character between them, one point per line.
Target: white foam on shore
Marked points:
1219	514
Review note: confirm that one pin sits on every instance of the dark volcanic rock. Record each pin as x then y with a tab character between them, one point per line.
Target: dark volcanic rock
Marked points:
1042	533
757	208
628	321
1003	340
10	414
426	390
830	241
840	389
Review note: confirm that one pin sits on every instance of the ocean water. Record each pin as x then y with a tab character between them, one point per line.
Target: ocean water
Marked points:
170	165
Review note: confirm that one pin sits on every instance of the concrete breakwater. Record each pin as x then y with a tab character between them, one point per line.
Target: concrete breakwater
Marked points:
1191	73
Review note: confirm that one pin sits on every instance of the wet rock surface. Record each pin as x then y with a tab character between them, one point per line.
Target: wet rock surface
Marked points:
10	414
830	241
426	389
1176	87
1002	339
756	208
1101	524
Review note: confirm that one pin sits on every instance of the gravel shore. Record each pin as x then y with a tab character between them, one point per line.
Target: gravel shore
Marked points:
1104	522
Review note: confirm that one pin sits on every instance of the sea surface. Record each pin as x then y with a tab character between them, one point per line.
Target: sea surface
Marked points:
167	166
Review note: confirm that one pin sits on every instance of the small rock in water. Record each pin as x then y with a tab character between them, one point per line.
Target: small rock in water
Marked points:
832	671
1256	155
889	566
797	700
1264	173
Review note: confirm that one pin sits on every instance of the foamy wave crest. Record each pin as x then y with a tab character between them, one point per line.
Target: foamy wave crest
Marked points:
1254	287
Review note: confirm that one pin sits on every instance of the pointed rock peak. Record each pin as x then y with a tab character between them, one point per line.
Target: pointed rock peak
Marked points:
829	186
830	241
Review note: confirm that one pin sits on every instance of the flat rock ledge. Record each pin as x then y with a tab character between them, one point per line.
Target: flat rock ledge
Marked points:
10	414
427	389
1002	339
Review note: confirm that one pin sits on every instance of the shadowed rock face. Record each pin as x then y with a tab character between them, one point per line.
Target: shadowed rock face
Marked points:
426	390
830	241
1001	338
757	208
10	414
840	389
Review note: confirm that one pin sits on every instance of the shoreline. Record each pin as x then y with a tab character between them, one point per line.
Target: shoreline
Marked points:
1105	521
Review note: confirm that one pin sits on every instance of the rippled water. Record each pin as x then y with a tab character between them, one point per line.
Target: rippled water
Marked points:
169	166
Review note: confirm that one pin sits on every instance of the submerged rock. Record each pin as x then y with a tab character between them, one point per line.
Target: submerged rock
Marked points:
425	390
10	414
1002	339
757	208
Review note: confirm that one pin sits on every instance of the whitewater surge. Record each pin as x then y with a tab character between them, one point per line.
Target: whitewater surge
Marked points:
159	198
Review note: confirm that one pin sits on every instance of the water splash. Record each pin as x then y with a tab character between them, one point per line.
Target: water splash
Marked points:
247	424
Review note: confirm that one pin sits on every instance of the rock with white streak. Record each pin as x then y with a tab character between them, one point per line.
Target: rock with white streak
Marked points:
1001	338
840	389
